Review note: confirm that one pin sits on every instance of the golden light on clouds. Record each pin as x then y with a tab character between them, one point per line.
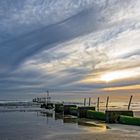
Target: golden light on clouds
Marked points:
112	76
131	87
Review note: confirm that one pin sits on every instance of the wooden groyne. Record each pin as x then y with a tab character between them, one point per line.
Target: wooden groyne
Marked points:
109	116
129	120
59	108
112	116
93	112
67	109
82	111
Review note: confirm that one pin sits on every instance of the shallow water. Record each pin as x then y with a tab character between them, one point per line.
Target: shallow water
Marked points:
35	126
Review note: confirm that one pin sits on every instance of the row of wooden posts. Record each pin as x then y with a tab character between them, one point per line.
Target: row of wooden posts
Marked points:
92	112
107	102
110	116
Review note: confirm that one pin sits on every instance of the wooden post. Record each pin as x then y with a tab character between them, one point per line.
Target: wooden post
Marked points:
130	102
82	111
89	101
112	116
84	101
98	103
107	102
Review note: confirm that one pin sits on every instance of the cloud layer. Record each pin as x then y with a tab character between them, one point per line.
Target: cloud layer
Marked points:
68	45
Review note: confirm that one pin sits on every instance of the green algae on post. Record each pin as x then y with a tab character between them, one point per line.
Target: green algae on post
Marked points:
129	120
91	114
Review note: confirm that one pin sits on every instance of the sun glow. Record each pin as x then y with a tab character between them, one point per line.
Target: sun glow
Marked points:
111	76
116	75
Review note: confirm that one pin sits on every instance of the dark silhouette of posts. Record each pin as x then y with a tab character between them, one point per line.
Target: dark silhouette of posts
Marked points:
89	101
130	102
84	101
98	102
107	102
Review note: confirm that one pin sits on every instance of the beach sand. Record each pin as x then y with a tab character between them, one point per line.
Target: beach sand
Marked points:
117	132
104	136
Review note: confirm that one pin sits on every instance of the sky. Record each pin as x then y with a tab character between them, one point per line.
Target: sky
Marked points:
69	46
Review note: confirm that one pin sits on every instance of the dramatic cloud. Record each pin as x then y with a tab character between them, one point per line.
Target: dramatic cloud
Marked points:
68	45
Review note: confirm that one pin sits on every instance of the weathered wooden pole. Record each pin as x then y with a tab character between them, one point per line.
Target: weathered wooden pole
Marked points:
98	102
130	102
84	101
107	102
89	101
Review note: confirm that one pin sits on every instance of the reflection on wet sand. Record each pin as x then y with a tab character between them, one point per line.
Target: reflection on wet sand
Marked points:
74	120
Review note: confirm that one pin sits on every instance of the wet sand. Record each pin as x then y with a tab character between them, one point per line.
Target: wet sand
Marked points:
117	132
16	125
103	136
